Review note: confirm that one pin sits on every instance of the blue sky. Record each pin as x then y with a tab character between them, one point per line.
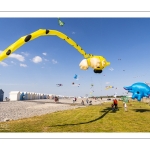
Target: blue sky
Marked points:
57	61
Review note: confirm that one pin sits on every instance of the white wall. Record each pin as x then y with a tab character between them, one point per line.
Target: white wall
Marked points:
14	95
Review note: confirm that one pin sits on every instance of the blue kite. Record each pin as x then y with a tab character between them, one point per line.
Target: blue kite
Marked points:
76	76
139	90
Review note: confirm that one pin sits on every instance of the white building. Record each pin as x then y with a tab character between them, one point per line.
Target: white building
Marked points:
35	95
38	97
25	95
28	95
14	95
41	96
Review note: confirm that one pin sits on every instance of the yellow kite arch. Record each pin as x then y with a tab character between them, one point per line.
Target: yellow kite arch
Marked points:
96	62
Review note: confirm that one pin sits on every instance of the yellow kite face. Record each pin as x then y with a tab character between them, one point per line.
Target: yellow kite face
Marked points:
98	63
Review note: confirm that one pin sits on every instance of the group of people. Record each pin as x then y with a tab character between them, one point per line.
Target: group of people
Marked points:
82	102
115	105
87	101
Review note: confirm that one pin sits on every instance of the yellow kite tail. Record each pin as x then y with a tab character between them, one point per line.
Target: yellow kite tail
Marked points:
36	34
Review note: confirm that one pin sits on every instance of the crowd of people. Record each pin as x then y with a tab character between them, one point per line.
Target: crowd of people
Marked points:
114	105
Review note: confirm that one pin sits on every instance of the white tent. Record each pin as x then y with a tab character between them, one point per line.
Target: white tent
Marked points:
14	95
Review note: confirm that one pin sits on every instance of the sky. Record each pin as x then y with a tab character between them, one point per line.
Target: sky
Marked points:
40	64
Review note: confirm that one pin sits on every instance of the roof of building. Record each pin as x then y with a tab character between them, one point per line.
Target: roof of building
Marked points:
1	90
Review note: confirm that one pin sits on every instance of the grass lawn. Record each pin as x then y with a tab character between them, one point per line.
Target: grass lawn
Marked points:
98	118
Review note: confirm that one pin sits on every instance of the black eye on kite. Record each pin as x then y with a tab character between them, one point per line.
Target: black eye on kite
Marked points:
138	92
8	52
97	71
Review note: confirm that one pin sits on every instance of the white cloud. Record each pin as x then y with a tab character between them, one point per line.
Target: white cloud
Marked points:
13	62
54	61
107	82
73	32
45	54
37	59
46	59
25	53
3	64
16	56
23	65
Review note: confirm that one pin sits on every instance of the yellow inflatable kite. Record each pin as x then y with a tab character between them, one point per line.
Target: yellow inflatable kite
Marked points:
98	63
109	87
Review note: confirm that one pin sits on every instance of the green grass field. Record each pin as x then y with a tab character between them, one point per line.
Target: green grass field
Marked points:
95	118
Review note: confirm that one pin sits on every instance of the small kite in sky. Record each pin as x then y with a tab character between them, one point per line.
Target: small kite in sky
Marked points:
111	69
109	87
115	95
60	22
92	85
76	77
59	85
75	84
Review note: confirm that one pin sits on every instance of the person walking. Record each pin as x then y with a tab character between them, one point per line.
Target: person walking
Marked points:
125	106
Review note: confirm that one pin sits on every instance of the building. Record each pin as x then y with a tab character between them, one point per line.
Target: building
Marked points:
14	95
1	95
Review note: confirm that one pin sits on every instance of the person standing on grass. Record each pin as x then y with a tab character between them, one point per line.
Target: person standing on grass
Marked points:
87	101
125	106
116	103
82	102
73	99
